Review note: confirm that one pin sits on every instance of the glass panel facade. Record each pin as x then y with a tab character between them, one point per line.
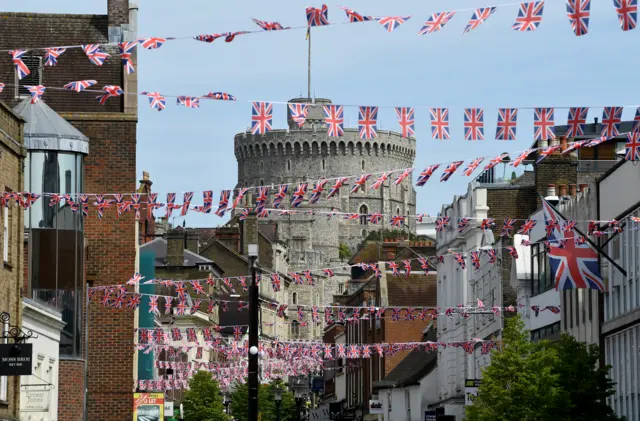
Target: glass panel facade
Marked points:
56	241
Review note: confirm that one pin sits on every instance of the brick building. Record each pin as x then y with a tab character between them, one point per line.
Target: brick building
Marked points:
12	155
104	251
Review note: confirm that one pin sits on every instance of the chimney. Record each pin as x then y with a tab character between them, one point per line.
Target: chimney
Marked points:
563	143
175	247
146	182
573	190
562	190
389	249
118	12
249	232
192	241
583	187
551	189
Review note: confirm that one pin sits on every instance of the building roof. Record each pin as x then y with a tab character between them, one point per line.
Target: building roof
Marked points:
416	365
47	130
159	246
417	290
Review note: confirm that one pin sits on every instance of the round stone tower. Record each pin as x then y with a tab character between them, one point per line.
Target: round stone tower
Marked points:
308	154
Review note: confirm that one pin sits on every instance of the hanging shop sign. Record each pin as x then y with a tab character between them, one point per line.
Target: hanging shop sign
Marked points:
375	407
471	387
148	406
15	359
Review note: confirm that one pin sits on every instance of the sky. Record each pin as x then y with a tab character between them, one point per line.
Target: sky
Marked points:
360	64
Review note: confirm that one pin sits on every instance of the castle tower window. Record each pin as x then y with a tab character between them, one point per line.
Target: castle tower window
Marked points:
363	215
363	165
397	211
34	64
288	165
262	166
323	165
295	329
294	298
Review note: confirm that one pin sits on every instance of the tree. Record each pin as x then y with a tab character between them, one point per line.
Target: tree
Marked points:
584	380
203	402
266	403
344	252
521	382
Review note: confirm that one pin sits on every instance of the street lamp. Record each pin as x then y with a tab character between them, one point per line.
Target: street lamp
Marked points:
277	393
254	310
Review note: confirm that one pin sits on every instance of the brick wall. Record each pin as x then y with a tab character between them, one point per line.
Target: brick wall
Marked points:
118	11
70	390
555	169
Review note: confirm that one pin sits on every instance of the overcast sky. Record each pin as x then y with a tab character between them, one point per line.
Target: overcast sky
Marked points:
490	67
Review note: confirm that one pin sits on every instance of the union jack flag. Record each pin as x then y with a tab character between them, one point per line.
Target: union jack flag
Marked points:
298	195
197	287
355	16
207	201
406	121
299	113
52	54
297	278
473	124
572	265
171	200
578	12
109	91
391	23
95	54
472	166
442	223
632	147
126	49
397	220
243	191
367	120
568	226
336	187
101	204
459	257
135	205
543	124
374	218
222	96
424	264
1	86
269	26
352	216
475	259
279	197
334	119
436	22
526	228
611	117
16	58
576	121
153	304
156	100
462	224
119	300
36	92
529	16
507	227
317	191
188	101
317	17
360	183
223	205
407	267
329	273
440	123
152	43
478	17
451	168
405	174
506	126
80	85
627	13
380	181
521	157
426	174
262	196
487	224
394	268
237	333
492	255
495	161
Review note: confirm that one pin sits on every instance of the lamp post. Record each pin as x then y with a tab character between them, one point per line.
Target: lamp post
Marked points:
277	392
254	310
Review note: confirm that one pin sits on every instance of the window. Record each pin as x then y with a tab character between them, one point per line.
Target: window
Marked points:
363	165
34	64
550	332
541	275
262	166
295	329
288	165
5	233
397	211
323	165
364	212
294	298
341	288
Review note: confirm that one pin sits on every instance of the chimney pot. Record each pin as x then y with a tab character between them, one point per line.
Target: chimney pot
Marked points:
562	190
551	190
583	187
573	190
563	142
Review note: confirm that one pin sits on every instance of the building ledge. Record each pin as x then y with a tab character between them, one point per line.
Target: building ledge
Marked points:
621	322
100	117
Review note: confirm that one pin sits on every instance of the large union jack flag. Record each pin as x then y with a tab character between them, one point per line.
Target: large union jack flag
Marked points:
21	69
543	124
572	265
95	54
299	113
391	23
576	121
261	117
406	121
367	120
317	17
506	126
611	117
156	100
578	12
436	22
627	13
529	16
334	119
632	147
473	124
451	168
478	17
440	123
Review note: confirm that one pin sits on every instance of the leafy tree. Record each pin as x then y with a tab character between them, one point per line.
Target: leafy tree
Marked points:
585	381
203	402
344	252
521	382
266	403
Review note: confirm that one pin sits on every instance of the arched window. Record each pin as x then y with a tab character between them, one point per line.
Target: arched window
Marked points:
363	165
364	234
294	298
397	211
363	215
295	329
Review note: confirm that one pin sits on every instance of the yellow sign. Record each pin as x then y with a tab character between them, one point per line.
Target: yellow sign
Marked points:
148	407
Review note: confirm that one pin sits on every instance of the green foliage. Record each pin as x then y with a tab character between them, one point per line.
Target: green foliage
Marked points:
390	234
266	403
344	252
203	402
532	381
